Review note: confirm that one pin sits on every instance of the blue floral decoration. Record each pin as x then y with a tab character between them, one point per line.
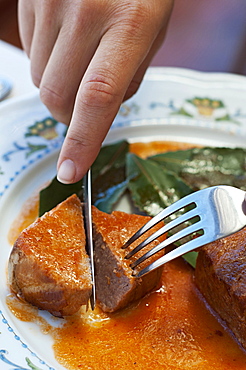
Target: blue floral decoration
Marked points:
4	353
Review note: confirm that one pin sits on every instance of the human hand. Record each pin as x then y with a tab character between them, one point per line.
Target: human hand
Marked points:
87	57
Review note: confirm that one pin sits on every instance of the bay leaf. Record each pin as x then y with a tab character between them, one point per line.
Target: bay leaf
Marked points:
109	175
191	257
108	188
110	156
152	188
203	167
55	193
108	181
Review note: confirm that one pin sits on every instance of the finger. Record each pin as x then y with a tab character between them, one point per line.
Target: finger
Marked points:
26	20
138	77
100	95
44	38
62	76
121	51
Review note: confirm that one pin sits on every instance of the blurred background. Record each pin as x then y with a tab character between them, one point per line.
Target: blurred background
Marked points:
205	35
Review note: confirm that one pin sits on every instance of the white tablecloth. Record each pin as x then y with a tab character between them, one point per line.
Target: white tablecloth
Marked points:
15	66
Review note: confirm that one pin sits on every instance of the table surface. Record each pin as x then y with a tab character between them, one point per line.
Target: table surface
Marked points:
15	66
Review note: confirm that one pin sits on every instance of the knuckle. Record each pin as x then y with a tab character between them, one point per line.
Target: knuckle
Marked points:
84	15
100	92
77	140
140	18
50	98
56	103
136	15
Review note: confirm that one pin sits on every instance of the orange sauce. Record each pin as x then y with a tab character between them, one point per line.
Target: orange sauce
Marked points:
26	312
28	214
144	150
171	328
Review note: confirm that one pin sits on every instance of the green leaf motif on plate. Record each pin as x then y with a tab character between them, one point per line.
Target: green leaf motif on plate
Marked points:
205	107
32	148
14	366
31	365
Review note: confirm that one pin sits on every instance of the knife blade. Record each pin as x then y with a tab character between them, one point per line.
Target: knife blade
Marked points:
88	230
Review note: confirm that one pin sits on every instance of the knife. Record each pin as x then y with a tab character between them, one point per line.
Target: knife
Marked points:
88	231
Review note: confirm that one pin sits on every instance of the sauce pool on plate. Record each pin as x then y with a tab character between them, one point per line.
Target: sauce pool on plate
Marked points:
171	328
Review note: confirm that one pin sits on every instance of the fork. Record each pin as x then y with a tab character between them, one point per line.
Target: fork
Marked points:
218	211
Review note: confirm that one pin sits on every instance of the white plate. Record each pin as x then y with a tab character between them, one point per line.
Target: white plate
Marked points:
172	104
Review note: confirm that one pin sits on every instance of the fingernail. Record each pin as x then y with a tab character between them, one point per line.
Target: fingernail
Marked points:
66	172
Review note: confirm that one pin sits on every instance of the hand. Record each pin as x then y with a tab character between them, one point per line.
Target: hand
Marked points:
87	57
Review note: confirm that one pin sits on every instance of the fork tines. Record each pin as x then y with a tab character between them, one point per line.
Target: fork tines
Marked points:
218	211
191	215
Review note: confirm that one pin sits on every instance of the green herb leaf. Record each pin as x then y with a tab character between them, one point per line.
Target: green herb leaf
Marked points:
191	257
110	156
108	175
55	193
203	167
108	188
154	183
108	181
153	189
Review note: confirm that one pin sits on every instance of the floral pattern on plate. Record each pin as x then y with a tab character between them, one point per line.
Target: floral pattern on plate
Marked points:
196	107
45	130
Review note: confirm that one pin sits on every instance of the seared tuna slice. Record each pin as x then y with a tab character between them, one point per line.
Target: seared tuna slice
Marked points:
221	277
48	265
115	285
